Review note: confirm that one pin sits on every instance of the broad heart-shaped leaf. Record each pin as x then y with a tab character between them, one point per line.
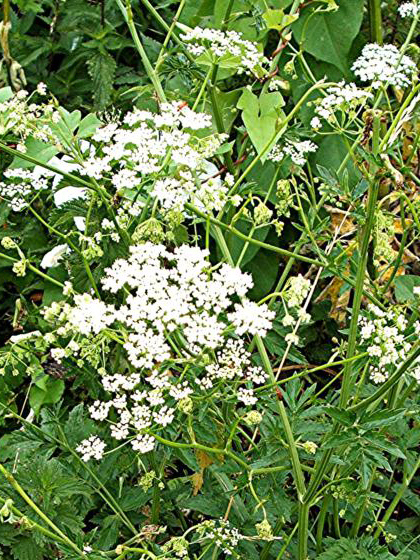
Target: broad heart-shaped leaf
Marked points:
404	287
88	126
45	391
260	116
37	149
329	35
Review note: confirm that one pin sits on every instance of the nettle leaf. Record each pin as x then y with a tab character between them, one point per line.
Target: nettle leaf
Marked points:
260	116
108	534
101	68
330	34
27	549
366	548
404	288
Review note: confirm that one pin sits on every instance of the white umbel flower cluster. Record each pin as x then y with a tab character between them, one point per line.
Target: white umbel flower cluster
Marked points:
163	147
384	64
20	184
297	151
91	448
221	533
168	298
383	336
233	363
408	9
341	97
227	48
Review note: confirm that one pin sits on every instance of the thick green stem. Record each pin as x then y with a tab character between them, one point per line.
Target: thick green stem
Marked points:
361	272
321	523
303	530
375	22
347	373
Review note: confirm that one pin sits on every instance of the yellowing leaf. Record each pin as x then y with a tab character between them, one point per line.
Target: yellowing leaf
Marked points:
203	459
197	482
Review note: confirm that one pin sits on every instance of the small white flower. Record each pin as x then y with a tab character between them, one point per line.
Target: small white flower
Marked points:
143	443
93	447
292	338
316	123
408	9
41	88
383	64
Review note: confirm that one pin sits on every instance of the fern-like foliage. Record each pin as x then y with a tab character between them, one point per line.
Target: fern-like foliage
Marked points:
365	548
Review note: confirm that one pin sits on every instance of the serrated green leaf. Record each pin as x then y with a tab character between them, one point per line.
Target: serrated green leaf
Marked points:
344	417
27	549
101	68
381	418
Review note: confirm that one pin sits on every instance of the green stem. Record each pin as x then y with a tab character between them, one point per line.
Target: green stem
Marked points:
286	544
297	469
194	445
390	382
211	87
361	271
361	511
202	90
128	16
169	34
73	246
321	523
375	21
34	269
347	373
69	176
251	240
401	490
